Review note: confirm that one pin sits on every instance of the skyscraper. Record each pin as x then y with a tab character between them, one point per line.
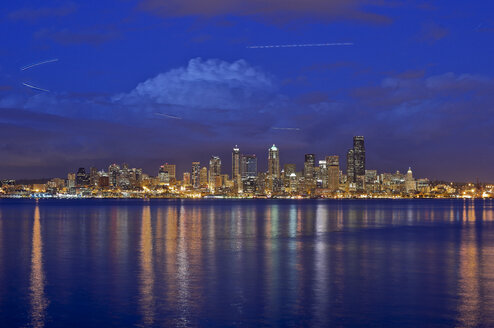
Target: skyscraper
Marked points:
186	179
214	171
359	155
410	183
203	176
273	162
333	169
82	178
236	169
309	163
350	166
170	168
114	173
196	166
249	166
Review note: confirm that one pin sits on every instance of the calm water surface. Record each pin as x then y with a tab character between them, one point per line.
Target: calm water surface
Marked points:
185	263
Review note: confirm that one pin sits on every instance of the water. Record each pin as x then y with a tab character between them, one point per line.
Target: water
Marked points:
396	263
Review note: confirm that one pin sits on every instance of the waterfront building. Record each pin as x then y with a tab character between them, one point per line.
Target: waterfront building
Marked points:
333	172
236	176
273	162
214	172
196	166
410	184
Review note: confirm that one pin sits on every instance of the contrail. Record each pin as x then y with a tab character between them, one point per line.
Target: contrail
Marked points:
169	116
40	63
288	129
302	45
34	87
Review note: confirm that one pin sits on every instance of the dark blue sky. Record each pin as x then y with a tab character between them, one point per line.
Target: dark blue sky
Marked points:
418	83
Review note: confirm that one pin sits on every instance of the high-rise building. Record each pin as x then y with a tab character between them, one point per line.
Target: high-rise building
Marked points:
249	166
214	171
114	173
333	169
196	166
81	178
273	162
93	176
350	166
70	180
186	178
163	175
170	168
309	164
203	176
410	183
236	177
359	155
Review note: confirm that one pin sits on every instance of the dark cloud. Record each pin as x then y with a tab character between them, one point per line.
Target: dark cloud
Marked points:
276	9
91	36
432	32
32	14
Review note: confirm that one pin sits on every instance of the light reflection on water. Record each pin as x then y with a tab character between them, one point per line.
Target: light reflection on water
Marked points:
37	281
234	263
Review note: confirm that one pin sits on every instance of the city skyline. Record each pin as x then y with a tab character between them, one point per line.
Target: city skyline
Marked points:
323	178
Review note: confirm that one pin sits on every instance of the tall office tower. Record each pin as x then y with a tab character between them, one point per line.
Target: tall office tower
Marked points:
323	173
273	162
309	163
81	178
203	176
236	177
71	180
410	183
359	155
333	169
171	169
249	166
114	173
196	166
186	179
163	175
214	171
350	166
93	176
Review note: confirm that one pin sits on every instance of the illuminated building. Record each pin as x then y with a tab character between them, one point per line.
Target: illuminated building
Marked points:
196	166
70	180
236	177
410	184
186	179
323	173
114	173
214	172
170	168
309	163
333	169
81	179
249	166
350	166
273	162
203	177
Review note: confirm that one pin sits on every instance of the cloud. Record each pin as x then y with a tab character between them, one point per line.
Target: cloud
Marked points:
32	14
69	37
277	9
432	32
213	84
